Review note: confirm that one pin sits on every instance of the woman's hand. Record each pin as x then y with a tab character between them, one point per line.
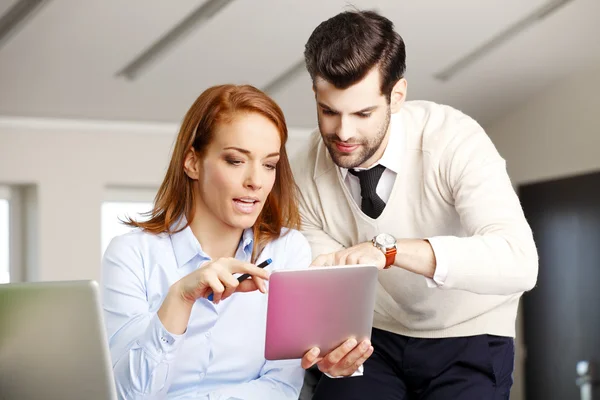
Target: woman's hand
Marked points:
212	277
217	277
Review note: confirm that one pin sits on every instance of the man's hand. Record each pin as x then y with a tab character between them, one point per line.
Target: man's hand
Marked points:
342	361
363	253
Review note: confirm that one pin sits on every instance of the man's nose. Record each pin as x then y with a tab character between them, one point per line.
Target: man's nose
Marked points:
345	130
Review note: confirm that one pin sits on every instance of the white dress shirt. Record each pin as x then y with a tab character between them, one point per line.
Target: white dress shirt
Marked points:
392	162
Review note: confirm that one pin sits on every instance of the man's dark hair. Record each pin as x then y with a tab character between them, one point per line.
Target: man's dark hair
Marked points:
343	49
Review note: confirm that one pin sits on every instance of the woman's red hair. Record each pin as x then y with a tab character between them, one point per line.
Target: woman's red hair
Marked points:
176	195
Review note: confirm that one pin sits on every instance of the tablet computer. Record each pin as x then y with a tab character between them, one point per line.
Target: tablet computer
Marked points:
318	307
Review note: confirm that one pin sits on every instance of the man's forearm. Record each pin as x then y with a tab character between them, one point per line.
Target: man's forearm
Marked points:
415	255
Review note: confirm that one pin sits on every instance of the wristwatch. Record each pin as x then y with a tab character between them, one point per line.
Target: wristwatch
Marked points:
387	244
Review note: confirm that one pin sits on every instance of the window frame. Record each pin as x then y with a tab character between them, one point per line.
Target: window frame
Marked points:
122	195
5	194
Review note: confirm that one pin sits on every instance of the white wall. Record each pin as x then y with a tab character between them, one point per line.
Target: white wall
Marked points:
71	163
555	134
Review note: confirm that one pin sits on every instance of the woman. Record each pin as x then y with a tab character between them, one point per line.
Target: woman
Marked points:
227	203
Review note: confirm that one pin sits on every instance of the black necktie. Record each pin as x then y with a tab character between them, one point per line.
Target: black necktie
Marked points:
371	204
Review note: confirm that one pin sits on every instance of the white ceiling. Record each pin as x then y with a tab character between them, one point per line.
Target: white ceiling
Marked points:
63	62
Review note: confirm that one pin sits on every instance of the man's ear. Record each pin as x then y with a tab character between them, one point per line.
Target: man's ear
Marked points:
191	165
398	95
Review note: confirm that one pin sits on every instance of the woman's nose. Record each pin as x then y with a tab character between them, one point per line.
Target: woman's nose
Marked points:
253	179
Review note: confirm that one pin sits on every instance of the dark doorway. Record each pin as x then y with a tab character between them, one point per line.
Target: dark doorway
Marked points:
561	314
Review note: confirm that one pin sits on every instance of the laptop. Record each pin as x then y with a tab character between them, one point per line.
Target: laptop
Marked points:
53	342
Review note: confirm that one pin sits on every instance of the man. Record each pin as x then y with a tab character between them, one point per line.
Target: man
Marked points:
418	189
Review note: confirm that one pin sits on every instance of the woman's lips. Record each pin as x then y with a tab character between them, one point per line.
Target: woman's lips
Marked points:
245	207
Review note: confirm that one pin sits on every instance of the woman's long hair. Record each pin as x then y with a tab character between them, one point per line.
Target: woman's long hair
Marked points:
176	195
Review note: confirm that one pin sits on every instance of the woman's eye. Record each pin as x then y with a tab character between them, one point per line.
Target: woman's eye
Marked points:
271	166
234	162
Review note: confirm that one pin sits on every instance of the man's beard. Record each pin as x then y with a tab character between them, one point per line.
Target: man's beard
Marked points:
366	150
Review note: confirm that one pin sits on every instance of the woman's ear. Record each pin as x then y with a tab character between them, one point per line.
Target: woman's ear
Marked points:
191	165
398	95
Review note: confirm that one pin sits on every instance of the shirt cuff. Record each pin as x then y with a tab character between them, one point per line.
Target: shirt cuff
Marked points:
441	265
158	342
358	372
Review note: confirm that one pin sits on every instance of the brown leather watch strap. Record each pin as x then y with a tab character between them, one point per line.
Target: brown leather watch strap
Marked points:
390	257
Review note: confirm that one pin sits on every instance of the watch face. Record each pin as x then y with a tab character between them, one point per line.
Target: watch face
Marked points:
385	240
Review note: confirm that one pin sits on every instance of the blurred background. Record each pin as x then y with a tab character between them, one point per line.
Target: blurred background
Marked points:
92	93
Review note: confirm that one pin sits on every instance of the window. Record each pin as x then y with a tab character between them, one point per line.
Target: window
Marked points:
119	204
4	243
115	212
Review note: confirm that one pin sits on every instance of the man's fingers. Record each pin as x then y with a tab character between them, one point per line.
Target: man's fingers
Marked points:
311	358
336	355
354	359
353	258
321	260
340	257
360	361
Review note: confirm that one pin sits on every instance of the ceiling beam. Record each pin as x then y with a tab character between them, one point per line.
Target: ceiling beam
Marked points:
285	77
193	21
16	17
534	17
